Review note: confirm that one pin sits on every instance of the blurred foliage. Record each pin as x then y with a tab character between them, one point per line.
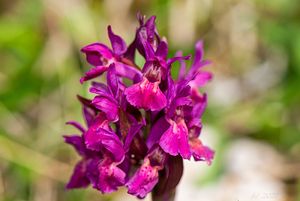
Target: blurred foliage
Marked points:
41	65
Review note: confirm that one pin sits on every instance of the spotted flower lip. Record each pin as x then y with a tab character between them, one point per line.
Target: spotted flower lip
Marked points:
110	177
175	140
143	181
147	176
146	95
141	123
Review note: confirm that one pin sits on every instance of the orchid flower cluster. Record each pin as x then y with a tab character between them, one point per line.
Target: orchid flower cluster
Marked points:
141	123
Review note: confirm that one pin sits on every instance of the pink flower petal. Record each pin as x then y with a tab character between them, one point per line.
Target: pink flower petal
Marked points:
93	73
201	152
146	95
110	178
175	140
143	181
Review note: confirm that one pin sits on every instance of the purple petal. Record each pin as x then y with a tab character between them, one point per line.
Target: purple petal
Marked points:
162	50
198	61
183	89
195	69
181	101
182	70
117	43
140	18
198	53
171	92
99	139
143	181
89	111
78	178
201	152
97	54
112	79
77	142
145	37
99	89
76	125
200	105
99	86
145	47
178	58
134	129
130	53
89	115
92	171
146	95
85	102
125	165
195	127
127	71
175	140
201	79
107	105
156	131
150	26
110	178
102	93
93	73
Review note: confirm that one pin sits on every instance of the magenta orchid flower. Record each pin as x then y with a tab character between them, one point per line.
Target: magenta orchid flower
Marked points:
141	123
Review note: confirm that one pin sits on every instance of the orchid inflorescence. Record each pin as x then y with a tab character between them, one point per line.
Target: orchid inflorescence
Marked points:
141	123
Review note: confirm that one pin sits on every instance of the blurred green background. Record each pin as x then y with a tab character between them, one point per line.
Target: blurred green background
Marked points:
253	118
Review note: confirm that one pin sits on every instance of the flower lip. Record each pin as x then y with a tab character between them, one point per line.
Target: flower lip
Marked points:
146	95
175	140
110	177
144	180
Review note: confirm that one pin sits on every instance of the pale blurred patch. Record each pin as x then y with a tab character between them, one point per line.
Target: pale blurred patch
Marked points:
252	173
